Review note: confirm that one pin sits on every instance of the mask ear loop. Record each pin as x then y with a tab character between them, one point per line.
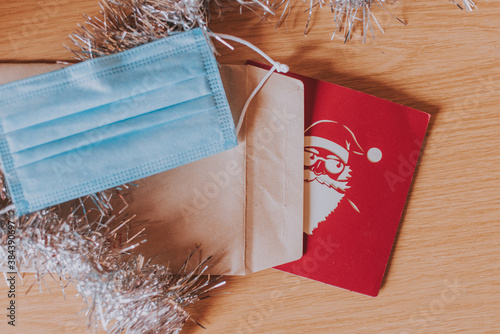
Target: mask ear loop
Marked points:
278	67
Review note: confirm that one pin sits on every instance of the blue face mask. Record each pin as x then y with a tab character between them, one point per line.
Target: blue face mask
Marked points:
112	120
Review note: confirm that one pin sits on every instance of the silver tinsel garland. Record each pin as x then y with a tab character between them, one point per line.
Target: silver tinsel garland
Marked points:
128	23
122	290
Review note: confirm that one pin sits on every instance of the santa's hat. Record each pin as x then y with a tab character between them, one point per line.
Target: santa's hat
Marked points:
338	139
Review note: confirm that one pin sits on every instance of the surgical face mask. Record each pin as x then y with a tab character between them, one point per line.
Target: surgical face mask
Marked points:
112	120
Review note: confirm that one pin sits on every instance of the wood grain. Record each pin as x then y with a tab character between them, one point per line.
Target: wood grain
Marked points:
444	274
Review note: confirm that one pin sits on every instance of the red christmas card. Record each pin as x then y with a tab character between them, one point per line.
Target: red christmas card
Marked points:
360	154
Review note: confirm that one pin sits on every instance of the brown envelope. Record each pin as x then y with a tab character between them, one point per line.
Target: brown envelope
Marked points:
242	206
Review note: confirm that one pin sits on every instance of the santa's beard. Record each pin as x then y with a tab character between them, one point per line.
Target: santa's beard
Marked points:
320	201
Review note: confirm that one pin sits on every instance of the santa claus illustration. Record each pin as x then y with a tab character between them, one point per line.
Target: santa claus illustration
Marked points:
328	146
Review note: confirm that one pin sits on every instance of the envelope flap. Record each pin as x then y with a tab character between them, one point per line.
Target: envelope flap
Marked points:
274	170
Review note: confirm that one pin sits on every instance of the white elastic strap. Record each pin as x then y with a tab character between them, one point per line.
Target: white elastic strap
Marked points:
278	67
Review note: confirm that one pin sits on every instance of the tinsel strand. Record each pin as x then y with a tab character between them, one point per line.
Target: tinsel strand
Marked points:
468	5
123	291
129	23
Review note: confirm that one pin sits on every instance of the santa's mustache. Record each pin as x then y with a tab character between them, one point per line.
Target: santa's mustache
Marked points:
340	186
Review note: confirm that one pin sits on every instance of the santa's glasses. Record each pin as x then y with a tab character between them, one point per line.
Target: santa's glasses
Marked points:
322	161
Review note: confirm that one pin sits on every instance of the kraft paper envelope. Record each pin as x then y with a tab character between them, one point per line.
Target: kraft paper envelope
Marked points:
242	206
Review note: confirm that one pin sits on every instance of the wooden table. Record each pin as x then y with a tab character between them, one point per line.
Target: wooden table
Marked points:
444	274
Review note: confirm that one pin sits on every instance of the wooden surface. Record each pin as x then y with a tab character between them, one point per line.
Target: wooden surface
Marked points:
444	274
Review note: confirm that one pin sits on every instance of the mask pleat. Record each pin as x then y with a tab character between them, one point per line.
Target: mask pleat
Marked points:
98	135
174	144
94	91
88	120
